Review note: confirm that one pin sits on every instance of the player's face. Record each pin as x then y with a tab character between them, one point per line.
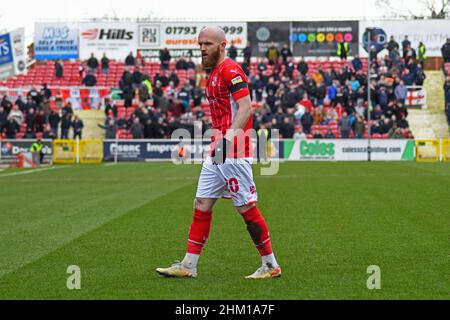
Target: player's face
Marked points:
210	50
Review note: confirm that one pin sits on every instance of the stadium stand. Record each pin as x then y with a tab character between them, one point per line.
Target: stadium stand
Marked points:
281	93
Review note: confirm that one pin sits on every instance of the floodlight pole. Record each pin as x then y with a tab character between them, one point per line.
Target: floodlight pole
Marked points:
369	151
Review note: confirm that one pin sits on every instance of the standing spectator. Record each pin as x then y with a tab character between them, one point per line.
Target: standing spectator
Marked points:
130	60
36	150
401	92
392	44
272	53
3	118
110	108
105	64
111	128
286	52
405	44
137	129
357	64
54	120
46	92
137	78
92	63
232	51
359	127
445	50
302	66
344	126
77	125
329	134
420	75
164	57
247	53
422	50
59	70
307	121
6	104
343	50
287	129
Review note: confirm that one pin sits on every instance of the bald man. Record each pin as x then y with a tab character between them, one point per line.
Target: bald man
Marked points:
227	171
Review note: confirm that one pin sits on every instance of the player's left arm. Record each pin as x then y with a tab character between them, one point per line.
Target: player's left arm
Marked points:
241	95
241	118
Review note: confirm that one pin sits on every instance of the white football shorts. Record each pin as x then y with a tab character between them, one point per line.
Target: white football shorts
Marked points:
231	180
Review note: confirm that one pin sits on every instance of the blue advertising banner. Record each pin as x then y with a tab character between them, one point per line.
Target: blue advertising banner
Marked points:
56	41
143	150
6	53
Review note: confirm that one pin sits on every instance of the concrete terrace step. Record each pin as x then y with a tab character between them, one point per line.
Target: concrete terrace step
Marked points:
91	119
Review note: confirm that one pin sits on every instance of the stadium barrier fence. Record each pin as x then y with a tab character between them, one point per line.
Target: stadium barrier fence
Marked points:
97	151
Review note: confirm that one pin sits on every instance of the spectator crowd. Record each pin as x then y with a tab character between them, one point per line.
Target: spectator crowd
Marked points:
302	99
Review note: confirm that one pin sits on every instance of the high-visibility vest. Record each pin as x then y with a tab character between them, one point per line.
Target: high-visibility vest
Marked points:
266	132
422	50
339	48
149	86
36	147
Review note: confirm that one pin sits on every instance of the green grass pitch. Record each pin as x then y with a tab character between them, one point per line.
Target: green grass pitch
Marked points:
328	223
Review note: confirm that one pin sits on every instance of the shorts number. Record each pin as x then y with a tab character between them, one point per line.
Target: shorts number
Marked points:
232	185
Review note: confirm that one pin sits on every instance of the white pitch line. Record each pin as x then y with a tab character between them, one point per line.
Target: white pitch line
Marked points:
31	171
110	164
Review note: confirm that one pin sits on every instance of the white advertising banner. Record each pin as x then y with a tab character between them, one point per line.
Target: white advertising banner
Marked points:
55	40
183	35
116	39
433	33
348	150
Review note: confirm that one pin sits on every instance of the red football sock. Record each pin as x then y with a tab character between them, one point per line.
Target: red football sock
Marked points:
199	231
257	227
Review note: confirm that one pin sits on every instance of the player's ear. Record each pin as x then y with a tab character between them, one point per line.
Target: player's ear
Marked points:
223	44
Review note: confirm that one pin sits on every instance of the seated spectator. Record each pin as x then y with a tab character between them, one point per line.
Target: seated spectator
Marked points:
376	113
11	128
317	135
357	64
181	64
329	134
302	66
16	115
89	80
287	129
299	134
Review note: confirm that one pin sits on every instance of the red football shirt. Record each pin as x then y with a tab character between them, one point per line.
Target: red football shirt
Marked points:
227	83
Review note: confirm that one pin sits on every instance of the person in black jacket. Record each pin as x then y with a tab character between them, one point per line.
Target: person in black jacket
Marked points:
445	50
89	80
66	123
59	71
247	53
232	51
130	60
54	120
105	64
164	57
92	63
77	125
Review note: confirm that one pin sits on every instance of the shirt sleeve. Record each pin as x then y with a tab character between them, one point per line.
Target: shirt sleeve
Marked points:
236	81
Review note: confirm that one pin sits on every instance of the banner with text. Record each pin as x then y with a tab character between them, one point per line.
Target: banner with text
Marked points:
12	53
320	38
116	39
54	40
262	34
433	33
348	150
